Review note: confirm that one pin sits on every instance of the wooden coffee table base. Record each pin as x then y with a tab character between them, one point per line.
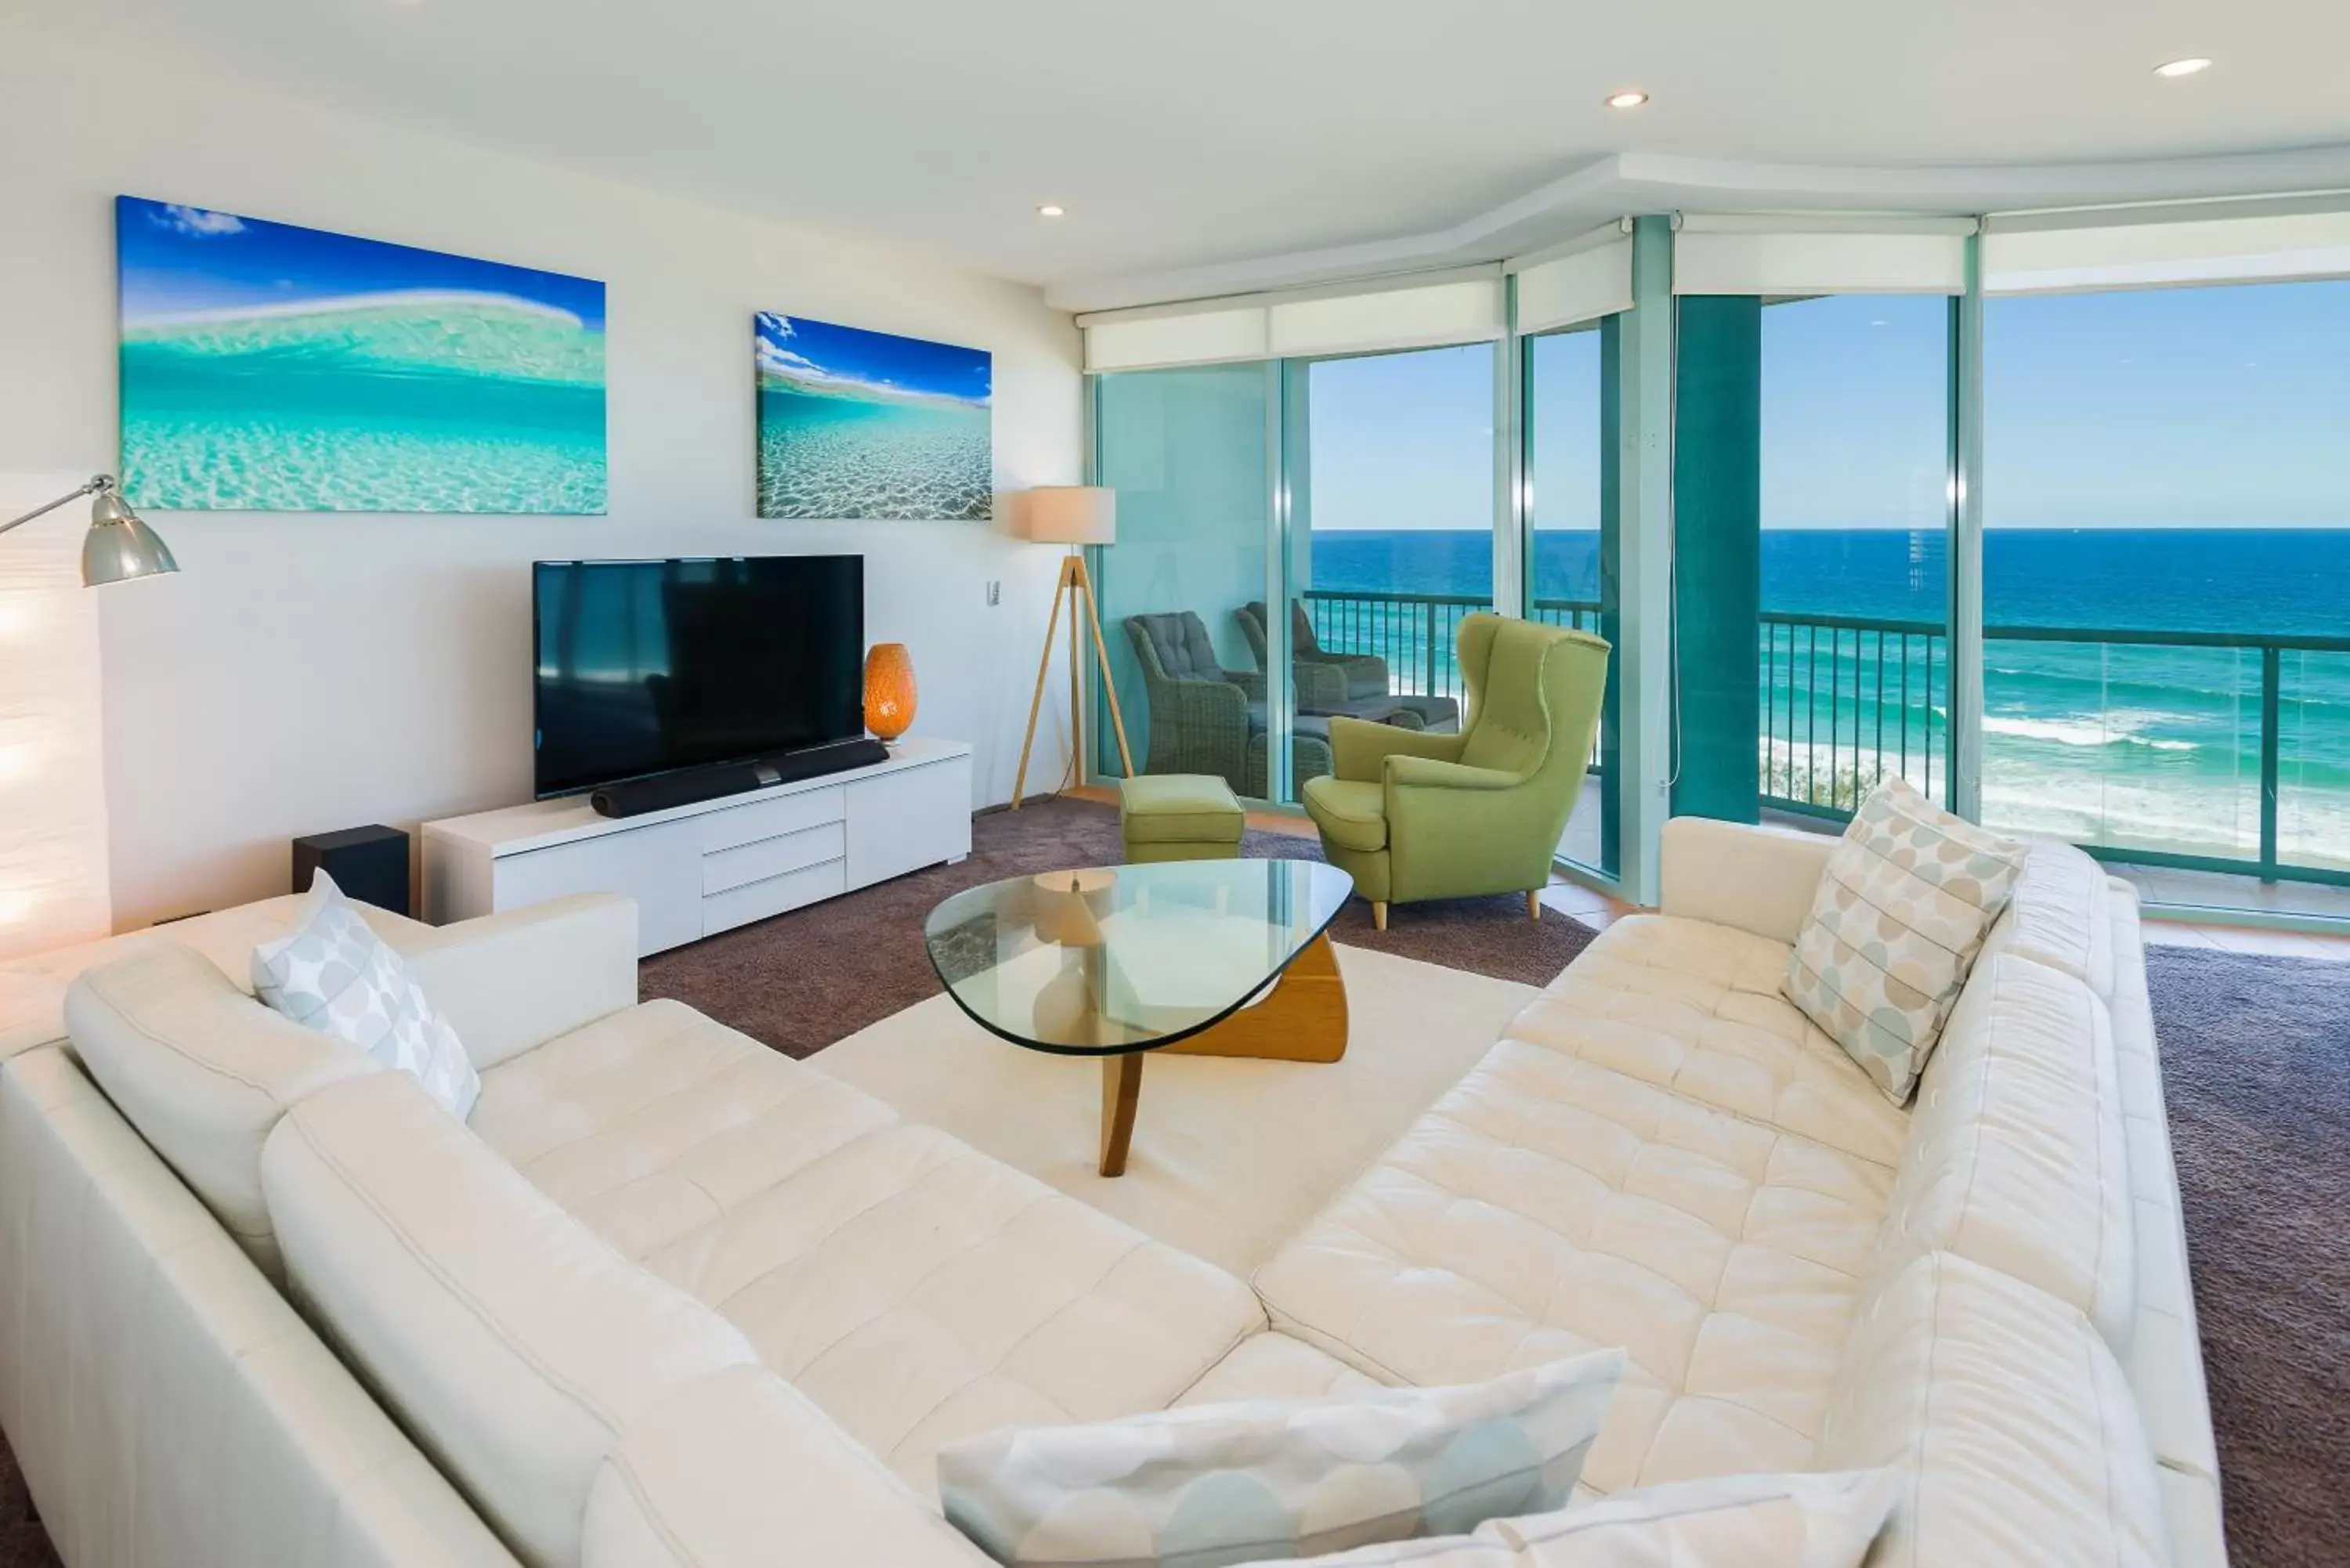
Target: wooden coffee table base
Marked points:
1302	1019
1121	1091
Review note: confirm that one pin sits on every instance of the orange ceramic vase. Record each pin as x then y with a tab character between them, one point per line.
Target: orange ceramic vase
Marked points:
888	690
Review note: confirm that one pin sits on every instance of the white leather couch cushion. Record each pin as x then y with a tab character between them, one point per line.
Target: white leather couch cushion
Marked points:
1737	1521
517	979
2010	1417
512	1343
1759	880
1277	1366
1694	1007
2062	915
2016	1155
168	1407
650	1123
33	987
1547	1206
919	1292
203	1072
2164	1360
740	1471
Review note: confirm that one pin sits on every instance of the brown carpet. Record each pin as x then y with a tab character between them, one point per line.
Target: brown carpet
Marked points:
23	1542
801	981
2256	1069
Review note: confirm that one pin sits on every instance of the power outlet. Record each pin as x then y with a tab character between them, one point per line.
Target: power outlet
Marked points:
994	592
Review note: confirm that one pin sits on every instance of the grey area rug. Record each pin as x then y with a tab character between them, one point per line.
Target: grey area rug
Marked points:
2256	1070
804	979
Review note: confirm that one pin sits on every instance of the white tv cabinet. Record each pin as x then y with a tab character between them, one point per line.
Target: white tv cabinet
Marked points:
696	870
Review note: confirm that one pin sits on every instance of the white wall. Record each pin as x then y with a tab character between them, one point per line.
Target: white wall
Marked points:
315	671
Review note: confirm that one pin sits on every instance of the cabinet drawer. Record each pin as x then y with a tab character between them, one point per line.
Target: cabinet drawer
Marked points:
747	862
770	818
757	901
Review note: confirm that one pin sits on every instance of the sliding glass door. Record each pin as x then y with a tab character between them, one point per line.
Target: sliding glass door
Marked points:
2167	542
1855	464
1390	486
1187	453
1574	556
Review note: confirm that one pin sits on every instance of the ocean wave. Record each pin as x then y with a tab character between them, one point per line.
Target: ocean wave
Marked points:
2109	729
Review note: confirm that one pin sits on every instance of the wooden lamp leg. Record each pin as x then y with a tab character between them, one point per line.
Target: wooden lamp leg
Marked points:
1036	703
1084	585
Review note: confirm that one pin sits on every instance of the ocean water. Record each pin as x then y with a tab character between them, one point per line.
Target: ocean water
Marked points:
831	455
417	403
2147	747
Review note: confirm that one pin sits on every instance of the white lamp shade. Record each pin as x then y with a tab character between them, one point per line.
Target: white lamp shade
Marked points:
1070	515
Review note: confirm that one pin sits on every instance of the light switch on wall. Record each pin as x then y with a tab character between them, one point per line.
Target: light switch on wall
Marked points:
994	592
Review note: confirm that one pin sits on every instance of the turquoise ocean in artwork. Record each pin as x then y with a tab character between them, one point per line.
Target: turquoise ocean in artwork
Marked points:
276	369
857	425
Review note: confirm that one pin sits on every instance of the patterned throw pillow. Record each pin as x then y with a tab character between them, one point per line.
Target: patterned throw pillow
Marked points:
1908	897
333	973
1212	1485
1730	1521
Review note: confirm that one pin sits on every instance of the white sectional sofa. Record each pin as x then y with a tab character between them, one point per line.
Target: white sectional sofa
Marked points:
672	1298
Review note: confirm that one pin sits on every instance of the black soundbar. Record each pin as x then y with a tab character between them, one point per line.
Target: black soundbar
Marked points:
688	786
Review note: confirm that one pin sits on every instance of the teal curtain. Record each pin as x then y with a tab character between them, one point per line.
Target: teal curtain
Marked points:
1717	555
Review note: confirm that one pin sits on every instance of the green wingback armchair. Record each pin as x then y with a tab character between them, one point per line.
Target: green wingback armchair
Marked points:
1413	814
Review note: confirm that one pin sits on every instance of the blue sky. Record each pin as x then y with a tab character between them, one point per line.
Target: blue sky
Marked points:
177	258
851	356
2174	407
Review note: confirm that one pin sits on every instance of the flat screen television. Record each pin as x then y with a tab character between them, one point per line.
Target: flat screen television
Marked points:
646	666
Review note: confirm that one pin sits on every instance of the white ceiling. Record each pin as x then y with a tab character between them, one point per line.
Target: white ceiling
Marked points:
1187	135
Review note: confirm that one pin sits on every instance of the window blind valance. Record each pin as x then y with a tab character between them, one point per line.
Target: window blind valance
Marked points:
2273	240
1578	282
1769	254
1456	306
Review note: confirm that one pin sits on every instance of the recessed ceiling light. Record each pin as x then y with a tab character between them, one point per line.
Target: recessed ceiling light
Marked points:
1050	210
1632	99
2181	68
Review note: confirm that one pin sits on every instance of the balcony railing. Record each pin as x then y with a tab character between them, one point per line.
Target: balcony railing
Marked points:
1847	700
1416	633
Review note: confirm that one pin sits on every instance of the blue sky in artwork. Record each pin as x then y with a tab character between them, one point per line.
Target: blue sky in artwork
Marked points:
851	357
2162	408
177	259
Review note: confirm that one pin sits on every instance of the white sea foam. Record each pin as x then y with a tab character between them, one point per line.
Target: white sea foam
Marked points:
2108	730
391	300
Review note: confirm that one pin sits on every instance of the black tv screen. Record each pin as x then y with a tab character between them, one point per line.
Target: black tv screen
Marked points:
648	666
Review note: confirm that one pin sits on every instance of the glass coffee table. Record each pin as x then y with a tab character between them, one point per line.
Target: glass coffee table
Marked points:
1210	958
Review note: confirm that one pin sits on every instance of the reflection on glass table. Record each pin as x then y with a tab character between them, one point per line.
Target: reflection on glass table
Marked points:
1224	958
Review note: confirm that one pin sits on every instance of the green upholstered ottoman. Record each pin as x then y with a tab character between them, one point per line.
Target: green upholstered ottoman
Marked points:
1178	817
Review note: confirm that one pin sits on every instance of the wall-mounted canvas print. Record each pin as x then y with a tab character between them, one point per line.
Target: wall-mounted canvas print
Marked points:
865	425
276	368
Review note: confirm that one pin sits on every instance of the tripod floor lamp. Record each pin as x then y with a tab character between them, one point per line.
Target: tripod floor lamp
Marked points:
1076	516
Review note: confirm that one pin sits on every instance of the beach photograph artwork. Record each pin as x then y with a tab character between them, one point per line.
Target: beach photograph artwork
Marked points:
859	424
271	368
